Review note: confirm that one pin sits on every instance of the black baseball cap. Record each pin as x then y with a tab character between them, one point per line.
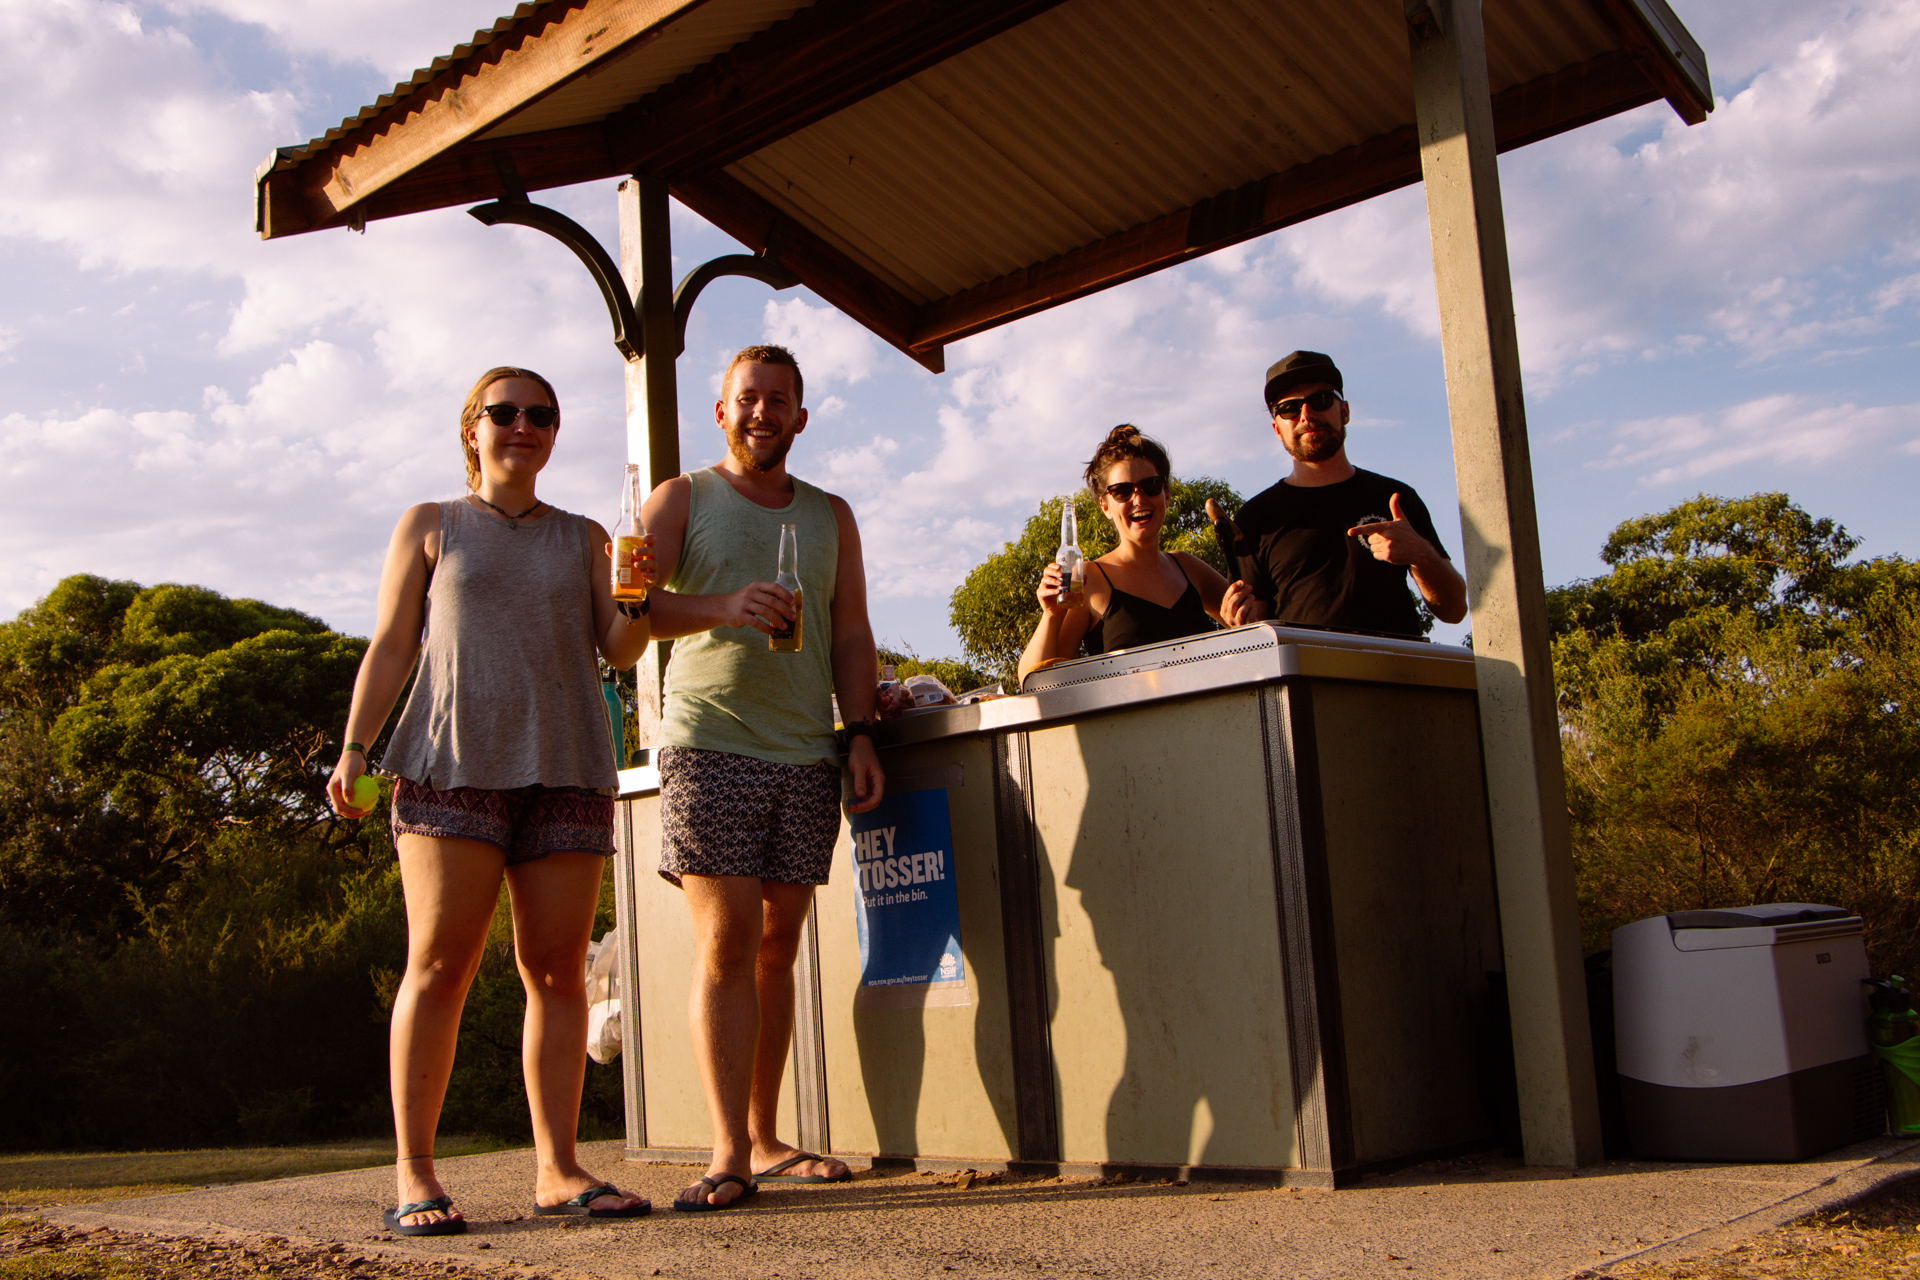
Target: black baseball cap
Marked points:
1302	366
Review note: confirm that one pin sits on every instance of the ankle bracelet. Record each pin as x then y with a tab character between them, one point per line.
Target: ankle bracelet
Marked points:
404	1159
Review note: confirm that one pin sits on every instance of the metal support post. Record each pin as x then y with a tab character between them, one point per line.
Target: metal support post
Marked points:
1520	737
653	399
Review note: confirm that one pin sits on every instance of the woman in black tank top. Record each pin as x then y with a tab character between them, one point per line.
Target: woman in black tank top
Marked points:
1137	593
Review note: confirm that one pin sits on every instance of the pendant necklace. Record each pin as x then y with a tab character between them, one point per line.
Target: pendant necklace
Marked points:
513	520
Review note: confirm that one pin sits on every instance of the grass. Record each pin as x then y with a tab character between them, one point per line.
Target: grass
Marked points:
85	1177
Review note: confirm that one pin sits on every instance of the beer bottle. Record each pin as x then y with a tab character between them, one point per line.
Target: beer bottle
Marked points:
787	639
630	542
1073	565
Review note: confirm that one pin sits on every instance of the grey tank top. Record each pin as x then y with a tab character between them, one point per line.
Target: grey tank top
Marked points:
507	691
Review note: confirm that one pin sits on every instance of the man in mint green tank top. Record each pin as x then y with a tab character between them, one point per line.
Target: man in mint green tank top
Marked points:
750	779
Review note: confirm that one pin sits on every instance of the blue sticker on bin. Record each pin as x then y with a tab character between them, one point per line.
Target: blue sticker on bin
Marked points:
906	907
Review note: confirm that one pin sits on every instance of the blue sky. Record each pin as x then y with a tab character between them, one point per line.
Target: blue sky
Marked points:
1725	309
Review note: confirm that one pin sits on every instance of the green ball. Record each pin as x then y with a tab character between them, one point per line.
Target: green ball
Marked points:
365	792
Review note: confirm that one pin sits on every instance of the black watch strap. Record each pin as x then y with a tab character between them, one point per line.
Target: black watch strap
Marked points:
640	610
855	729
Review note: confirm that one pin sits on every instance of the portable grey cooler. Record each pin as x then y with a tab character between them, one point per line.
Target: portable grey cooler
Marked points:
1742	1033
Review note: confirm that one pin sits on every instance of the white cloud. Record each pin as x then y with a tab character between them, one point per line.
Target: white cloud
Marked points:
397	38
1794	431
1743	220
833	348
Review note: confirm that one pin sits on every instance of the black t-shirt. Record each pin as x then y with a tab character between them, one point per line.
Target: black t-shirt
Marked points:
1295	553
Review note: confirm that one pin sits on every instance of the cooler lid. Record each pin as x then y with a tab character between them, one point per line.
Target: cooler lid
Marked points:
1750	917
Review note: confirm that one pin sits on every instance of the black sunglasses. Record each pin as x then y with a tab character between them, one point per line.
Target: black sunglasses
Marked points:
539	416
1320	401
1150	487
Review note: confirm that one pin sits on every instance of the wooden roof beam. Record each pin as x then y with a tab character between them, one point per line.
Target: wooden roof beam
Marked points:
736	209
1525	113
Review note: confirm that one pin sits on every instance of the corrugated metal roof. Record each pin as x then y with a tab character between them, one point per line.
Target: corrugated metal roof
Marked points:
1027	146
289	156
677	48
939	168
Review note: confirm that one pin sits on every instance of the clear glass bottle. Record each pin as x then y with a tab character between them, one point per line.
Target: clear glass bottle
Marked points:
630	542
787	638
1073	565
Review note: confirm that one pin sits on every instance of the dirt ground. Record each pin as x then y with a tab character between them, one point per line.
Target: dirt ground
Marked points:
1875	1238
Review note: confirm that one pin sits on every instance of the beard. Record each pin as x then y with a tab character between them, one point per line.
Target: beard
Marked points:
1321	446
740	445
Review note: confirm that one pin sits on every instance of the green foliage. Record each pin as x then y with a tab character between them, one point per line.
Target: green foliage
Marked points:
1761	553
1738	722
995	609
155	718
247	1012
193	948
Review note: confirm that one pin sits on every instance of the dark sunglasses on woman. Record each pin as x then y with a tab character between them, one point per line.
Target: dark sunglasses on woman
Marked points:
539	416
1150	487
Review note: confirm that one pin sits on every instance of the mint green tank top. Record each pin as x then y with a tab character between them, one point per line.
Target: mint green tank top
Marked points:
726	691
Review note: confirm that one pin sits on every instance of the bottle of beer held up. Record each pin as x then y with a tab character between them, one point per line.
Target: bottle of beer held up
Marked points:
1073	565
630	542
787	639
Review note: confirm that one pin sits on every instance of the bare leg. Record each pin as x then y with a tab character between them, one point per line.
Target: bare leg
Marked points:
451	887
784	910
723	1008
553	900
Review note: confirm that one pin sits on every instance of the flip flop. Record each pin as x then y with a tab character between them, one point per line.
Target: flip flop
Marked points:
444	1227
775	1175
581	1205
699	1202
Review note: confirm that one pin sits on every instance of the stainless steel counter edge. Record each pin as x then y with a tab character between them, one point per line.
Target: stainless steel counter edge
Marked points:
1382	662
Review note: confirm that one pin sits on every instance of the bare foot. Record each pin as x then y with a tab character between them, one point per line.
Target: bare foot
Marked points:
554	1187
414	1182
717	1190
766	1159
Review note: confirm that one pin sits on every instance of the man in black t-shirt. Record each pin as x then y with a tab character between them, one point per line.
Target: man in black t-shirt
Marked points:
1332	545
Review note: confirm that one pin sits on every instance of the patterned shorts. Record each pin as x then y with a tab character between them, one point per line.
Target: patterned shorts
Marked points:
528	822
728	815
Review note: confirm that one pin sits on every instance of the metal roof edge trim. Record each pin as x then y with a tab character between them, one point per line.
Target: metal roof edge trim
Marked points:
1677	45
290	156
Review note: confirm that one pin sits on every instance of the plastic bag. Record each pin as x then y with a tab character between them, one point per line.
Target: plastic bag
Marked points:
603	998
928	691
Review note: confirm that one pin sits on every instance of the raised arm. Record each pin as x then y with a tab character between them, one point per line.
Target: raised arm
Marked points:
399	617
856	668
620	639
1060	630
1399	541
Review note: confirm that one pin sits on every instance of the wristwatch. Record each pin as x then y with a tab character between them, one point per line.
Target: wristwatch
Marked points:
854	729
640	610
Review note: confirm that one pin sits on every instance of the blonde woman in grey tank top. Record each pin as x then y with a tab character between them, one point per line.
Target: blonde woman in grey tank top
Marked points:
502	768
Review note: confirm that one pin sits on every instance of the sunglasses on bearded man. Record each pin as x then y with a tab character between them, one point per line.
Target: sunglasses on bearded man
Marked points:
1320	401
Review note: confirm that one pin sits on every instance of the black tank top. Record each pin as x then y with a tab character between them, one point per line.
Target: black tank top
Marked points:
1130	620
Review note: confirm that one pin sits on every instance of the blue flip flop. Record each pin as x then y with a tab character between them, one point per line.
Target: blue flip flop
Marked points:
581	1206
444	1227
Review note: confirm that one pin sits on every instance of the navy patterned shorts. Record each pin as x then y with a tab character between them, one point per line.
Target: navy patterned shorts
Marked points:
527	822
728	815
